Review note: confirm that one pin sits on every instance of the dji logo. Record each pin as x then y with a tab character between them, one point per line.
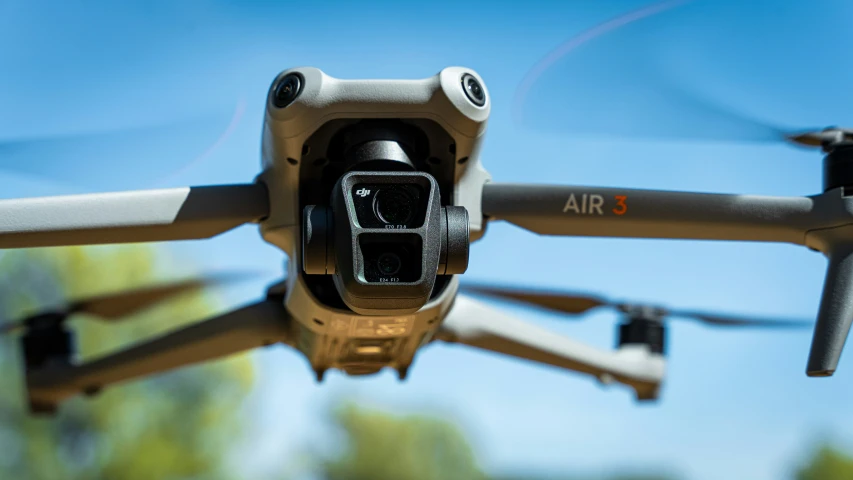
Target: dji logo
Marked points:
362	192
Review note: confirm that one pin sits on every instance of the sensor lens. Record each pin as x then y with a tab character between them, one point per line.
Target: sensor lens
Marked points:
287	90
389	263
473	90
394	206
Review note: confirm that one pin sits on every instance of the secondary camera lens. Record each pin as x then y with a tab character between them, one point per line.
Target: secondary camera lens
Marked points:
394	206
389	263
473	90
287	90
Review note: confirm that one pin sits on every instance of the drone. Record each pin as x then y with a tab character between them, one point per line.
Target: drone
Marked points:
375	191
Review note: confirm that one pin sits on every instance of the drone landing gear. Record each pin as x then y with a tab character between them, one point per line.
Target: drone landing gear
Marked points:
835	313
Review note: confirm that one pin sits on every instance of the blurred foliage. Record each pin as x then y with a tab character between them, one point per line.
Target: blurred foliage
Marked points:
380	446
177	425
827	463
580	477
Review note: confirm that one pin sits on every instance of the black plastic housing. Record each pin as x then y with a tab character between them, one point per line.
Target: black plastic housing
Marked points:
318	251
646	332
47	341
422	235
386	239
838	168
455	240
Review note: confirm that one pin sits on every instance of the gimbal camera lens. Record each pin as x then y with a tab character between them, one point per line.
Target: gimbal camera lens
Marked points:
473	90
389	263
287	89
394	206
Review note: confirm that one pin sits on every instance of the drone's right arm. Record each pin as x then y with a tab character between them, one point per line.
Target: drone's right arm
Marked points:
475	324
638	213
127	217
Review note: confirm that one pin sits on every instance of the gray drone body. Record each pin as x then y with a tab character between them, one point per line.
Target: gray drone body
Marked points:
330	148
297	152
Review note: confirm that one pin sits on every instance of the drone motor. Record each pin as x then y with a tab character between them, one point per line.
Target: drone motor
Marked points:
47	341
644	326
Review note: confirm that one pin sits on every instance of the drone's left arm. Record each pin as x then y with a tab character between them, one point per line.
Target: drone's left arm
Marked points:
252	326
475	324
134	216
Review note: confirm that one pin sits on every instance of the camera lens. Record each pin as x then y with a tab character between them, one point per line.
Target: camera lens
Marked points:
287	90
473	90
389	263
394	206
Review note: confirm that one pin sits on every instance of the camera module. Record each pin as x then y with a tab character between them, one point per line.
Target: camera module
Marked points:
473	90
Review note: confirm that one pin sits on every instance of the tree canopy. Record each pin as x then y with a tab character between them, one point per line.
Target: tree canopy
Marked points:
827	463
381	446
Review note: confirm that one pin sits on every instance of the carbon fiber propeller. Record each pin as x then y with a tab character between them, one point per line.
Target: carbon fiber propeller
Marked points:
115	306
149	152
578	303
611	80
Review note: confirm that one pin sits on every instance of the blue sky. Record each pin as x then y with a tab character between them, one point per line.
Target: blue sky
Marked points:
735	405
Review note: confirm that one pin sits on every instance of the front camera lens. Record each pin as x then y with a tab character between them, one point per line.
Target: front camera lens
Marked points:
473	90
394	206
389	263
287	90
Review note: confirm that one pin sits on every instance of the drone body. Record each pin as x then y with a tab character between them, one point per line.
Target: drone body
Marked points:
310	139
375	190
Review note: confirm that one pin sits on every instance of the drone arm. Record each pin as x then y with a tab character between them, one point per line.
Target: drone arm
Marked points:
475	324
256	325
633	213
133	216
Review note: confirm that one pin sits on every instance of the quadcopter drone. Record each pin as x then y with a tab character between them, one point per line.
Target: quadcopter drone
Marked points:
375	191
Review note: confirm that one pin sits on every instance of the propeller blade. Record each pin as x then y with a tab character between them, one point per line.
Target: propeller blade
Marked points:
623	78
822	138
113	306
550	300
724	320
564	302
123	157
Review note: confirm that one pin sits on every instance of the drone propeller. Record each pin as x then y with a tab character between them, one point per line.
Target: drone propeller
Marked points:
115	306
92	158
628	92
573	303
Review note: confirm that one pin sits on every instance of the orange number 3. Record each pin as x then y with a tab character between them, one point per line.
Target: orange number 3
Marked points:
621	207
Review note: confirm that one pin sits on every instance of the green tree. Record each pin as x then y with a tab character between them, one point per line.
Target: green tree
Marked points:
827	463
380	446
177	425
